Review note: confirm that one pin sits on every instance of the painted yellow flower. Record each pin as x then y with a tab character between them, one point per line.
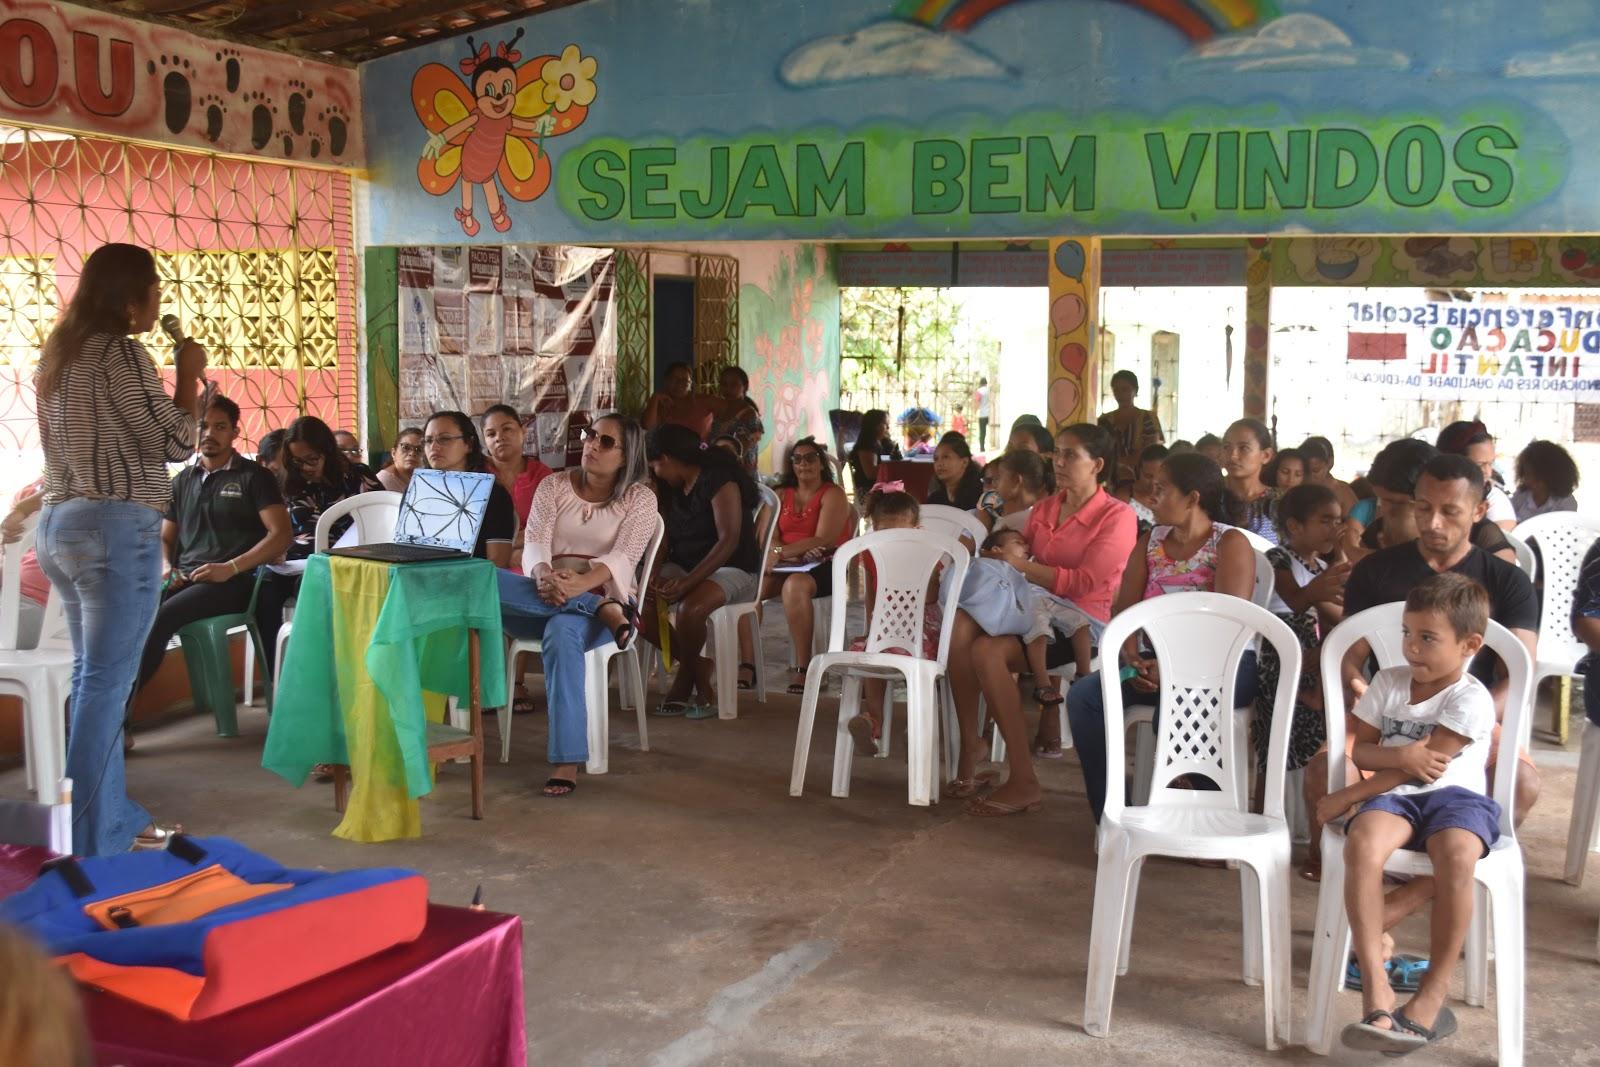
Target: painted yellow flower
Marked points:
569	80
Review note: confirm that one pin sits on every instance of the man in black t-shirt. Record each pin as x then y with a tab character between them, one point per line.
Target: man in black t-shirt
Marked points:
226	519
1393	478
1448	502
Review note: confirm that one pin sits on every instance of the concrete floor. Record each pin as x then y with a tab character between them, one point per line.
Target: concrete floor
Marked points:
684	909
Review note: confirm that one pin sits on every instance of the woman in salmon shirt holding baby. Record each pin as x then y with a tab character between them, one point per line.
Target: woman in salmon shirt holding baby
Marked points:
1079	540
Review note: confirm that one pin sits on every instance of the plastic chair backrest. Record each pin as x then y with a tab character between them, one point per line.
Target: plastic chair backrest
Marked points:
906	562
1198	639
765	534
953	522
11	583
53	632
1257	542
1261	594
373	516
1379	627
1527	561
1563	538
647	563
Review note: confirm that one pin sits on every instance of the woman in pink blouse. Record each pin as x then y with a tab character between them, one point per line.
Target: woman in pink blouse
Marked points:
586	532
1079	541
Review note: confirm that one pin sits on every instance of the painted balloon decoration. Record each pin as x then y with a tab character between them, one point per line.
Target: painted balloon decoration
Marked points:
1067	313
1063	399
1073	357
1070	259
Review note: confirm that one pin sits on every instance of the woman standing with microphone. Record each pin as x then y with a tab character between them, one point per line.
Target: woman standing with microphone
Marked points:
108	431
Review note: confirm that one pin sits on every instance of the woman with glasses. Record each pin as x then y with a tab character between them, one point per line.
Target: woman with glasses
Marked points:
814	518
587	531
450	443
406	458
316	475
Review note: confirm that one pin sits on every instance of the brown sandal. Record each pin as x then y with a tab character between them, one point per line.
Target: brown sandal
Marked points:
984	807
963	788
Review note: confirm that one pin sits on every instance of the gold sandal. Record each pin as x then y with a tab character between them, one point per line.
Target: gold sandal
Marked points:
964	788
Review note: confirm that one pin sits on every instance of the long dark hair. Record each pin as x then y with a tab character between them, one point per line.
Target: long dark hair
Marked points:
114	276
1029	467
789	481
971	478
310	430
1096	441
477	462
874	428
682	444
1192	472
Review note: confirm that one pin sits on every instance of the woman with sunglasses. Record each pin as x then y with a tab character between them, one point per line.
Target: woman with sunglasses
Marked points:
405	459
316	475
587	530
450	442
814	518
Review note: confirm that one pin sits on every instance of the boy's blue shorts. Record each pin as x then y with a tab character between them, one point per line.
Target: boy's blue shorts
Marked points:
1450	808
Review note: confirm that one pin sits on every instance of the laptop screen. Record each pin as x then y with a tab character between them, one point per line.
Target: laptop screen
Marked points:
443	509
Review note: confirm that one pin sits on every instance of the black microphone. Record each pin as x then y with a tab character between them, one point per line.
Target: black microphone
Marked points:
174	329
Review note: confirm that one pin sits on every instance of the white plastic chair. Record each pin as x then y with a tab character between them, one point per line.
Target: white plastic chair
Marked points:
41	677
724	623
1261	592
1499	876
1199	639
1257	542
820	609
1527	562
373	517
596	681
1584	828
953	522
1563	538
905	561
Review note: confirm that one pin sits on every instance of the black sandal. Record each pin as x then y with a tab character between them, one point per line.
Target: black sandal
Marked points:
1047	696
751	684
556	788
629	624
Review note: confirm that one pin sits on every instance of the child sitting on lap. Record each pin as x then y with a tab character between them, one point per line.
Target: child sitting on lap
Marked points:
1423	734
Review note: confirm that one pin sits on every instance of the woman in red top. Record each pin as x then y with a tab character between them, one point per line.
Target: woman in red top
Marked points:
1079	541
814	518
519	473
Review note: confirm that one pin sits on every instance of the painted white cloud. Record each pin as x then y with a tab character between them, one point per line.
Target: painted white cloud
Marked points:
1576	60
1291	42
885	50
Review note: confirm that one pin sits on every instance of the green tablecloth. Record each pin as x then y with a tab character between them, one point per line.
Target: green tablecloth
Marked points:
369	641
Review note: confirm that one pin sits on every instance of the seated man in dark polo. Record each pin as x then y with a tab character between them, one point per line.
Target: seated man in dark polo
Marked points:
226	519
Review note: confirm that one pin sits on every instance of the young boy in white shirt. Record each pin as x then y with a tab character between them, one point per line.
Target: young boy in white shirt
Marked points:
1422	743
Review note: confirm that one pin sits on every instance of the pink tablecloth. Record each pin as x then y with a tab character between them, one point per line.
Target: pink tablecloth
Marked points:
453	996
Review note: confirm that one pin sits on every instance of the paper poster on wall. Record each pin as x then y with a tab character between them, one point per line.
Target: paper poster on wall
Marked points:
1524	350
530	326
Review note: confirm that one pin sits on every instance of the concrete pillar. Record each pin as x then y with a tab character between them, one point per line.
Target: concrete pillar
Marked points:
1074	338
1257	326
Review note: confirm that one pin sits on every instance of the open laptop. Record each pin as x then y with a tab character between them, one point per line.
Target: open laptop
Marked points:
440	516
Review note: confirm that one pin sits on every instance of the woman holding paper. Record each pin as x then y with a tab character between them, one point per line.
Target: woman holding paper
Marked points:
814	518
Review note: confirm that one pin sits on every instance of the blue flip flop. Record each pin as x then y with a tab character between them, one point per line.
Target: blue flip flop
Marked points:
700	711
1405	973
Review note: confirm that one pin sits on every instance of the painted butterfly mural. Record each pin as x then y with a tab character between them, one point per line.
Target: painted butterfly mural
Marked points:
488	131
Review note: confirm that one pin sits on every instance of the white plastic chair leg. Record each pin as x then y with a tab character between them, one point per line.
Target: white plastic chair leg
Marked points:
844	746
633	679
1273	924
886	730
1125	946
1105	937
249	671
1330	948
1144	763
504	713
802	740
919	738
1584	826
1506	910
1252	904
1475	955
45	744
597	698
725	661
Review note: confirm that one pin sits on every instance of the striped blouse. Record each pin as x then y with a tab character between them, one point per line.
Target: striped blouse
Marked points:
109	429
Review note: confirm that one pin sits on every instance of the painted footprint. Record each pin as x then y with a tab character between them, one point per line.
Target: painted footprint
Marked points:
232	71
177	90
262	111
298	95
337	123
215	112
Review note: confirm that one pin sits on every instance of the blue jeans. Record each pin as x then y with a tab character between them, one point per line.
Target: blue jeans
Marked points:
103	558
1086	714
565	633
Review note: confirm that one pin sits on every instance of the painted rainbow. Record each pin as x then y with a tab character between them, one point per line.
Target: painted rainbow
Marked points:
1199	20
